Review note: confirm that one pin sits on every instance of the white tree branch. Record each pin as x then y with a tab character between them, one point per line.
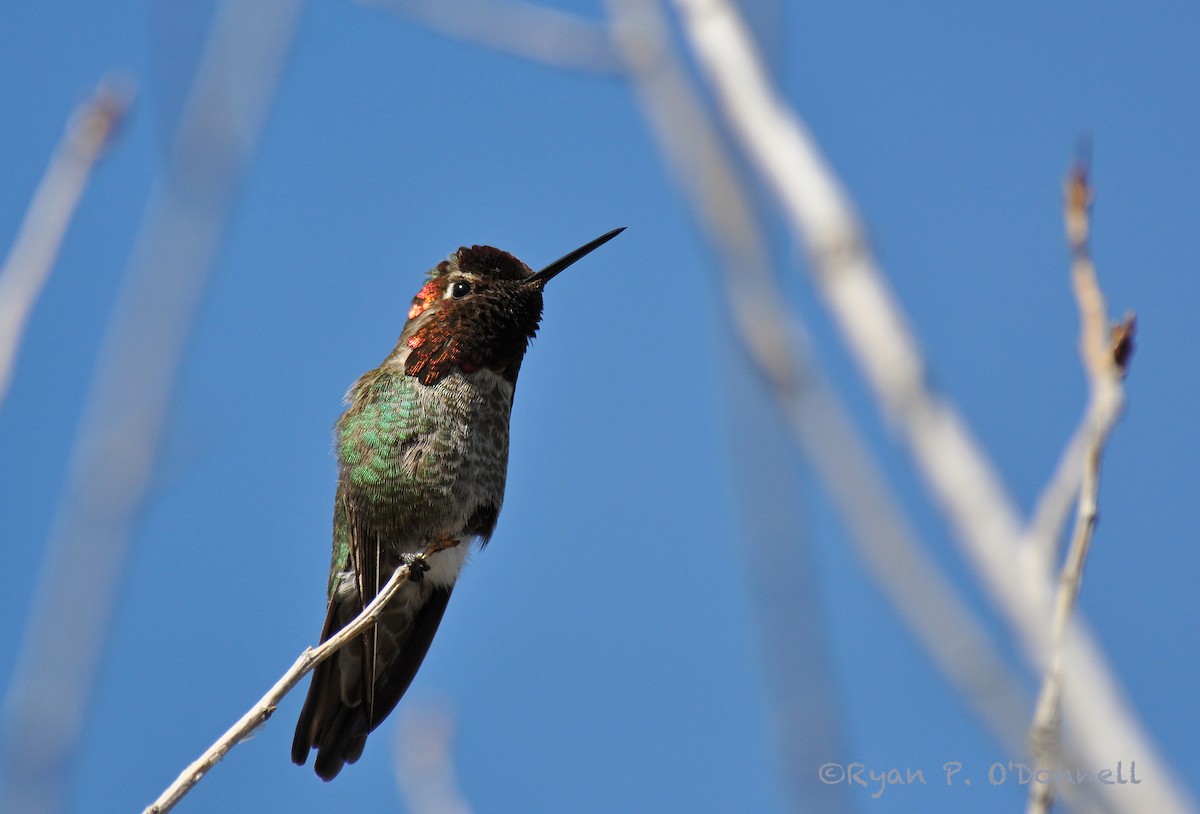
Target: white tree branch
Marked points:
821	214
89	133
959	475
258	714
1105	356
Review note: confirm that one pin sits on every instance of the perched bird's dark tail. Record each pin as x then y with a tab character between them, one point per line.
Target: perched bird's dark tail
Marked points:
336	718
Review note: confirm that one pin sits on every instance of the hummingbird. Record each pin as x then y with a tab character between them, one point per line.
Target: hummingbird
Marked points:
422	452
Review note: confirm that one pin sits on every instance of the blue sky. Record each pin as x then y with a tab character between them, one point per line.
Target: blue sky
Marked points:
602	653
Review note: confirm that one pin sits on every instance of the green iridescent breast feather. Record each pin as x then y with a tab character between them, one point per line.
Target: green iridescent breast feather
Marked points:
385	414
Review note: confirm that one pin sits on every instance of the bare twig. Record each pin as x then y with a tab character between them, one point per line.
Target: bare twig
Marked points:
89	133
1105	355
112	463
535	32
310	658
960	477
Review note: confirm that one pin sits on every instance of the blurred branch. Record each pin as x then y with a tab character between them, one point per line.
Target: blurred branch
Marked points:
89	133
775	343
537	33
1105	355
801	691
310	658
424	767
113	461
959	475
821	214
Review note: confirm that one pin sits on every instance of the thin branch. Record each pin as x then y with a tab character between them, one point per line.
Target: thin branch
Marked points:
89	133
1105	356
538	33
113	460
310	658
960	477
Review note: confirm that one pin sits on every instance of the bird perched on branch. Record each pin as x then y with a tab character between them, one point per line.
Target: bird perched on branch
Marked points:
422	455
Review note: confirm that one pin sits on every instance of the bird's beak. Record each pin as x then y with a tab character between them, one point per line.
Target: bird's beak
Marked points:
567	259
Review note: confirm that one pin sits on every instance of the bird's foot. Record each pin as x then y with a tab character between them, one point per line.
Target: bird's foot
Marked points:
417	566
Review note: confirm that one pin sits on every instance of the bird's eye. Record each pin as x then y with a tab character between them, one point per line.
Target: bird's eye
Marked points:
460	289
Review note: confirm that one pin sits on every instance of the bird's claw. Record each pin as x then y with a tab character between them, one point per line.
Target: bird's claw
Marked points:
417	566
